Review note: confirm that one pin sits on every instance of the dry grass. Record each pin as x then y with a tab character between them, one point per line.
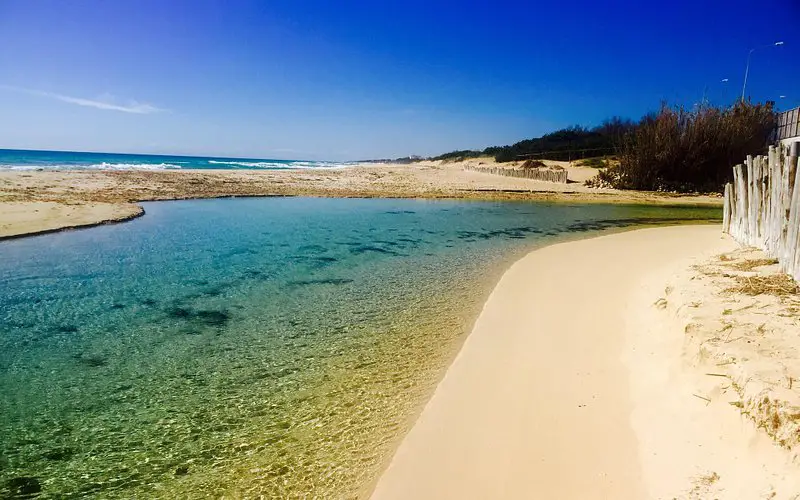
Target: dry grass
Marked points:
780	285
533	164
750	264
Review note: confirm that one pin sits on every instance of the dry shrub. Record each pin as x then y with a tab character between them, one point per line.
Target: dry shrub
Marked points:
533	164
680	150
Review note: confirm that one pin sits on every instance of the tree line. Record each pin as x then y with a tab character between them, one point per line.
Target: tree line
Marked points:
673	149
566	144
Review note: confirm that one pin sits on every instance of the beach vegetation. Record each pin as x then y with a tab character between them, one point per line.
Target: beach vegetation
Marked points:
778	284
533	164
751	264
569	143
596	162
566	144
458	155
683	150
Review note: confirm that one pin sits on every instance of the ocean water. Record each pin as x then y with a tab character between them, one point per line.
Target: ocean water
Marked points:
17	159
275	347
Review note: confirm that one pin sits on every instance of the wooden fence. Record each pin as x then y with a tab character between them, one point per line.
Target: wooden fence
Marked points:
538	174
762	206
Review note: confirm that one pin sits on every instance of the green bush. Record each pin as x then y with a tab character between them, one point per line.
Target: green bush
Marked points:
567	144
458	155
596	162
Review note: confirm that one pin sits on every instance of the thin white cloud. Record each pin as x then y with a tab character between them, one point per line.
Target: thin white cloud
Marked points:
105	101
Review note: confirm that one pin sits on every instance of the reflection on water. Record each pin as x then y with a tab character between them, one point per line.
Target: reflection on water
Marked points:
246	346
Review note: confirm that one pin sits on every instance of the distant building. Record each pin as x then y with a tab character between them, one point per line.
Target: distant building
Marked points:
788	130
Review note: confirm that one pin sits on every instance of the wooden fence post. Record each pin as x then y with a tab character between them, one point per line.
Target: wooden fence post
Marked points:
741	202
726	209
791	260
533	174
762	206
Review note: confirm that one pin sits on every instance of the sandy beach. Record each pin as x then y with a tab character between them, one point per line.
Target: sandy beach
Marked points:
576	383
622	366
37	217
95	191
711	348
626	366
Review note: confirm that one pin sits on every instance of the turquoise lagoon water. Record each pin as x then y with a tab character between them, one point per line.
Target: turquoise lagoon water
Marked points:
243	347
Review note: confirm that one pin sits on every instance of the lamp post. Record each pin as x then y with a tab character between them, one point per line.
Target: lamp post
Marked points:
724	83
747	68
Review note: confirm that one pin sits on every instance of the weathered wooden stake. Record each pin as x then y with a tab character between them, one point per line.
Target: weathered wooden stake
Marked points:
761	207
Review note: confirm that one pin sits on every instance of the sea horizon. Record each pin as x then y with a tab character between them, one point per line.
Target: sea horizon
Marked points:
43	159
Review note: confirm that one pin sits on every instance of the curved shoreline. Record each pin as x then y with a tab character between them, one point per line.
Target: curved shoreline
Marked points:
101	215
420	181
521	415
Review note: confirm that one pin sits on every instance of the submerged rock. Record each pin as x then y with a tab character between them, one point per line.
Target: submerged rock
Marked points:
179	312
206	317
362	249
93	360
325	281
59	454
23	487
213	318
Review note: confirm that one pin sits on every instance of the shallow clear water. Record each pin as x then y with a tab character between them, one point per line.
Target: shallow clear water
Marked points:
244	347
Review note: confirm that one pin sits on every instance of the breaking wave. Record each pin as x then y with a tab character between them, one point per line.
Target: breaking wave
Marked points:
96	166
273	165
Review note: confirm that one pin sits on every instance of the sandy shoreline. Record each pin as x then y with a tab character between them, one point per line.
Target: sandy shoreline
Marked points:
711	369
40	217
539	403
96	191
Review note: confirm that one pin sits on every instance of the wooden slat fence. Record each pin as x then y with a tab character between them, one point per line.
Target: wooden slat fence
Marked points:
762	206
538	174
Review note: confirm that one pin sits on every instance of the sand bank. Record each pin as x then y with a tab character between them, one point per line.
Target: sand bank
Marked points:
36	217
419	180
539	403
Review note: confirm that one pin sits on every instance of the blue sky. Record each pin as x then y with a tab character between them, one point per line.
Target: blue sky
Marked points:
351	80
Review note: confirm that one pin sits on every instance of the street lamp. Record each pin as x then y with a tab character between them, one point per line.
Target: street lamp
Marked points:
747	68
724	81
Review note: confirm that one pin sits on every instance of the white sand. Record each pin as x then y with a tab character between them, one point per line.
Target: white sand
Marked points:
538	403
699	355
